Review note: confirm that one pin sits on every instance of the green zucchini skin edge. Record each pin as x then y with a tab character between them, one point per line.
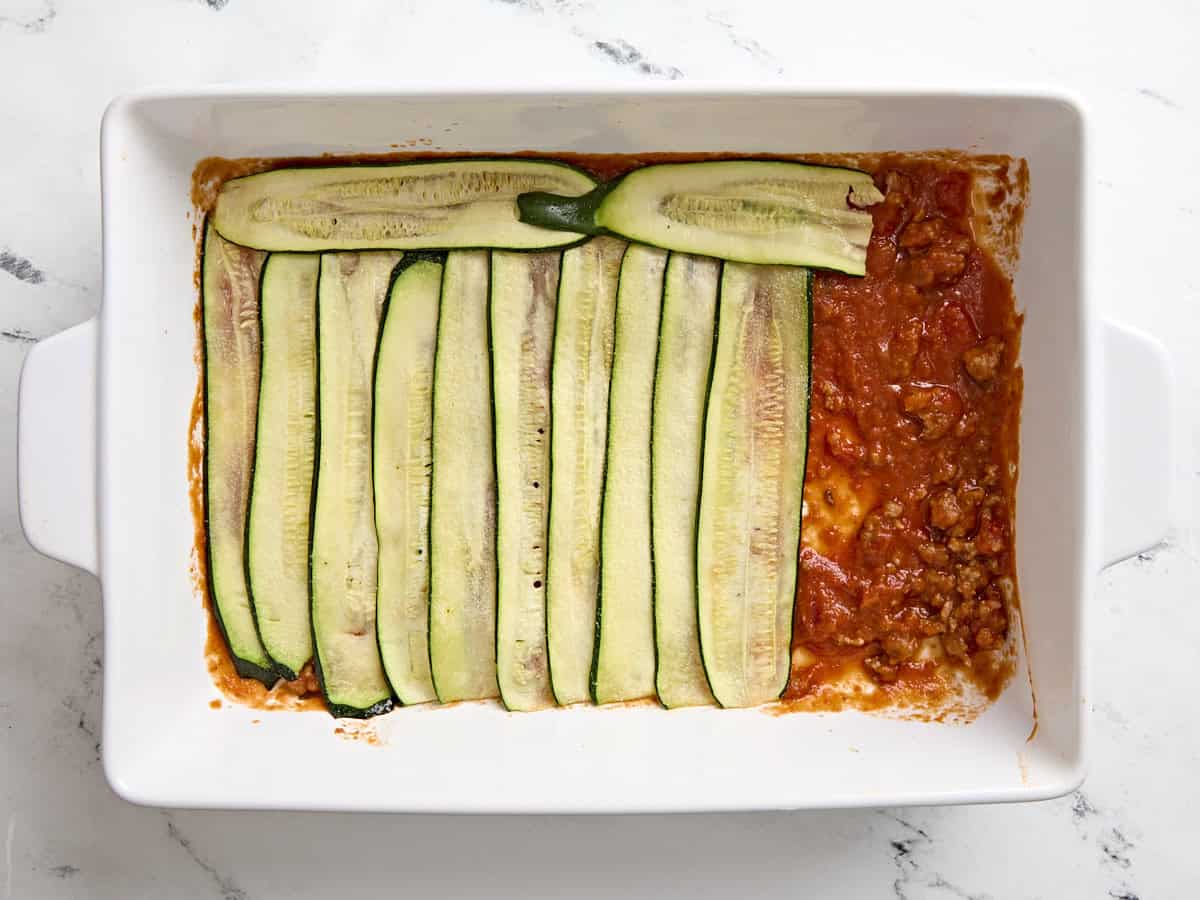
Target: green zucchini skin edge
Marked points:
496	474
243	667
339	710
559	213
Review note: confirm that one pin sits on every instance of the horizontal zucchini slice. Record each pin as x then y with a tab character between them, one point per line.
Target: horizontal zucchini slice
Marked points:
754	211
281	498
524	288
232	347
405	206
583	350
462	516
625	657
345	550
755	442
402	460
685	353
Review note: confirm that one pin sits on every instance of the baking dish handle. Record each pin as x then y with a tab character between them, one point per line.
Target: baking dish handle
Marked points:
56	446
1137	464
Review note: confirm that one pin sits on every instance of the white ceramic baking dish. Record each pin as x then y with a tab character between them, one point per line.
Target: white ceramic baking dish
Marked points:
103	482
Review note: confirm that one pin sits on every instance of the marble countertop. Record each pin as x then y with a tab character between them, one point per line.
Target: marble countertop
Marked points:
1126	834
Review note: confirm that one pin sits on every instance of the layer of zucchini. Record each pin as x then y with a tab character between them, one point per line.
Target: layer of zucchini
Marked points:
579	386
281	498
685	353
625	658
462	519
402	459
755	211
232	347
755	442
345	550
523	291
407	206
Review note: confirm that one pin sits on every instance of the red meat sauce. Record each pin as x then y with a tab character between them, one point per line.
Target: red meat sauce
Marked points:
915	408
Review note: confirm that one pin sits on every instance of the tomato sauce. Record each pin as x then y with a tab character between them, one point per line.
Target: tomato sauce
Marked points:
907	556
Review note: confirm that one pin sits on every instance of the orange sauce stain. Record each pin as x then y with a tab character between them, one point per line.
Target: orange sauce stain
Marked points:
362	732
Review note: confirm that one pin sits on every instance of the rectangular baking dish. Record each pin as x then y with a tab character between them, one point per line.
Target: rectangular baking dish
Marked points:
103	481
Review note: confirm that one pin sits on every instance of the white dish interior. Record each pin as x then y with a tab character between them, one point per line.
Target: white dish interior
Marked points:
164	745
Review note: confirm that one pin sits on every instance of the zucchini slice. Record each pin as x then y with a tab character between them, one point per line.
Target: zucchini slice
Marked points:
754	211
625	657
402	460
405	206
462	518
685	353
345	549
579	384
281	496
232	347
523	292
755	441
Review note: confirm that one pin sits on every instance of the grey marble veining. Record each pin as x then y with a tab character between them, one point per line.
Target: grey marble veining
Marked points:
20	268
1127	834
30	17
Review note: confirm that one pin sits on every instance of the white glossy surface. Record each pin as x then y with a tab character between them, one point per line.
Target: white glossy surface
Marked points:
66	835
56	454
584	759
1137	437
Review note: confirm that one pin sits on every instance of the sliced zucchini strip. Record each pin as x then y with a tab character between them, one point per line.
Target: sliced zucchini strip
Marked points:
755	211
680	391
523	290
625	656
402	460
462	522
232	346
406	206
583	352
345	550
755	443
281	498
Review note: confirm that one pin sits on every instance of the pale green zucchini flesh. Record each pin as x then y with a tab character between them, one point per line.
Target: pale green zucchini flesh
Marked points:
579	386
281	498
680	391
523	291
462	599
407	206
232	346
402	459
625	657
755	443
345	550
754	211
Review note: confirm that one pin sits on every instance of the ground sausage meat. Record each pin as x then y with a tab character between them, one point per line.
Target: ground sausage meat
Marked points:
916	397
